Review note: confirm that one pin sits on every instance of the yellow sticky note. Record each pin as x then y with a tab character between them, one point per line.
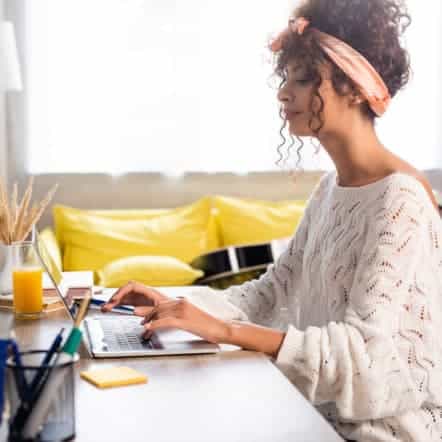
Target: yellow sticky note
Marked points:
114	377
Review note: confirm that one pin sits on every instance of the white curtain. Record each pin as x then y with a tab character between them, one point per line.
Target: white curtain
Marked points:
119	86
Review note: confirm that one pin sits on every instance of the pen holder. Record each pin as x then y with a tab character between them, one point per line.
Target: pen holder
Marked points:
59	424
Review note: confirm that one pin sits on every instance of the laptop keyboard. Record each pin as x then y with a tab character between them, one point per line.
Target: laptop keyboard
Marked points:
124	334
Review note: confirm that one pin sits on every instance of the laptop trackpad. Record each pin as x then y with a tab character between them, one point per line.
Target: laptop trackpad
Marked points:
177	338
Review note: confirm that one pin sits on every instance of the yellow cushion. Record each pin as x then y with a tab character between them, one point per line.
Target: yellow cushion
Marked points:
248	221
150	270
133	214
90	241
47	236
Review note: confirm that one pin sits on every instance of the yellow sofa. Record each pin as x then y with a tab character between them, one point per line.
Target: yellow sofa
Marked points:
156	246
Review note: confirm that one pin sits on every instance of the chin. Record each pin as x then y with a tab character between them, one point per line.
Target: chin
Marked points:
299	130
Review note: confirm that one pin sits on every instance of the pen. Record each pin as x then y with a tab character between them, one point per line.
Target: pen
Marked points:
5	342
100	302
22	385
47	359
41	405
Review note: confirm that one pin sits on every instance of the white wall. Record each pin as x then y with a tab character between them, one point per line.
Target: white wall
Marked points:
141	190
3	143
3	138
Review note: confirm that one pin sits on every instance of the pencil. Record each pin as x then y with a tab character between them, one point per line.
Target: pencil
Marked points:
83	310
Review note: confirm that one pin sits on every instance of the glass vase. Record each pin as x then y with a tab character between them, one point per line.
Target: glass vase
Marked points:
6	263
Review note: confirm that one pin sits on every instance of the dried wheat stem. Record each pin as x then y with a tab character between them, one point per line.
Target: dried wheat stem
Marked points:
38	212
23	211
14	207
16	222
3	230
7	213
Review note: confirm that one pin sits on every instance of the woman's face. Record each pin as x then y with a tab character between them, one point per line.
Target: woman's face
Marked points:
298	100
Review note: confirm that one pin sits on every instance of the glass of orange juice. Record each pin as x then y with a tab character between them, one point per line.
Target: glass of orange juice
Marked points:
27	281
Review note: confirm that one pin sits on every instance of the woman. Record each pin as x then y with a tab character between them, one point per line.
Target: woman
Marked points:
361	277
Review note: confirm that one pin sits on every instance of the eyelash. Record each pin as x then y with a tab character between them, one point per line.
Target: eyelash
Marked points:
301	81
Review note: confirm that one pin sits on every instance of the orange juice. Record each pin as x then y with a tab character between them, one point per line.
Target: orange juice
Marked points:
28	290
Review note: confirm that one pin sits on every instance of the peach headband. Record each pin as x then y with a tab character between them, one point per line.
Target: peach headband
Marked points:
351	62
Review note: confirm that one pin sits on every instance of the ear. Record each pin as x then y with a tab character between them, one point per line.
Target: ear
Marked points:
356	99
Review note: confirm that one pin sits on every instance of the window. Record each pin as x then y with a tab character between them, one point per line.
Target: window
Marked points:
121	86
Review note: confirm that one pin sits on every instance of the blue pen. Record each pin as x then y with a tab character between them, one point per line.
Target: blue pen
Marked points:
47	359
100	302
4	344
22	385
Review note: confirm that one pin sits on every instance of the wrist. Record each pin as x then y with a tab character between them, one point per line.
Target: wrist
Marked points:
225	333
251	337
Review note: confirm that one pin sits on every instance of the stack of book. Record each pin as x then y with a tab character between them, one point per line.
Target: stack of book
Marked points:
51	301
79	283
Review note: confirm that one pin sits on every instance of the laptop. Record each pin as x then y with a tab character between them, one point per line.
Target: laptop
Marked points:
113	336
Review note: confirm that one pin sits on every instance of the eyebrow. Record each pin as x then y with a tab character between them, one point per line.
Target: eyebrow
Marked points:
295	69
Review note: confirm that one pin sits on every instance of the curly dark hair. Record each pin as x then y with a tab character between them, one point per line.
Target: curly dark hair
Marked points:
372	27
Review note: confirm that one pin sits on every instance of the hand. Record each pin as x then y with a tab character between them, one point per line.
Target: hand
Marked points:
182	314
136	294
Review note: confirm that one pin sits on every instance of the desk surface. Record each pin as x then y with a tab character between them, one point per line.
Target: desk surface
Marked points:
232	396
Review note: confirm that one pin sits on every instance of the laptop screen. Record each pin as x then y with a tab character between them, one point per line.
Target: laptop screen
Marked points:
55	275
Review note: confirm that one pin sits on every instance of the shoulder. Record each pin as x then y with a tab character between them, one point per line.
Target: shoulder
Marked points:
323	185
406	187
416	179
318	193
402	201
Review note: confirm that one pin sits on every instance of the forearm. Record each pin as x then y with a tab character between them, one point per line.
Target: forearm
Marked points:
253	337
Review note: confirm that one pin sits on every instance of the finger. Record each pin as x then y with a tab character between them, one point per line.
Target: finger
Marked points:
143	311
173	311
115	299
122	291
150	292
164	308
147	318
169	322
133	293
146	335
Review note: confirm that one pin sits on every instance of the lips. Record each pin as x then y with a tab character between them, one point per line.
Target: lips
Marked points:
291	114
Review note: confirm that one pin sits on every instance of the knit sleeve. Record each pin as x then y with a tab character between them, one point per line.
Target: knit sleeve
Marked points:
261	300
365	363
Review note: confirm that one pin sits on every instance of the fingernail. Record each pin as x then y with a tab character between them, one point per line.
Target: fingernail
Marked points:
147	336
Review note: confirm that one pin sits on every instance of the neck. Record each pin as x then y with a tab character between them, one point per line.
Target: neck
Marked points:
358	154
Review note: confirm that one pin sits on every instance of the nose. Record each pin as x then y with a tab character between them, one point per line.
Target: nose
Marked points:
284	95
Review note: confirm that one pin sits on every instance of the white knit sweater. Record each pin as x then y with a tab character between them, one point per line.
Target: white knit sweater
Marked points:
359	292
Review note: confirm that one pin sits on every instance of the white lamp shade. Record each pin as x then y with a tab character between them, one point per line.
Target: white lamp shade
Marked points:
10	78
